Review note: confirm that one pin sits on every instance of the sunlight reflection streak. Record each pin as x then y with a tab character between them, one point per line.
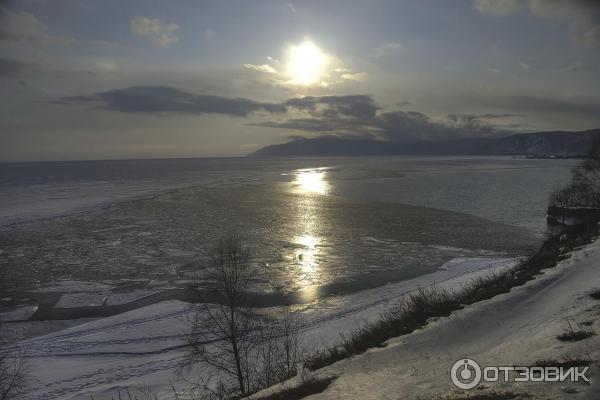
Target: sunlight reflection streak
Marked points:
312	181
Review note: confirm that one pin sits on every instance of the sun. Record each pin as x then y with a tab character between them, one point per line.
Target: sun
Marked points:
306	63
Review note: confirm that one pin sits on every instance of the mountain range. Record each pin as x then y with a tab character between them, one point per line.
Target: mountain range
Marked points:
539	144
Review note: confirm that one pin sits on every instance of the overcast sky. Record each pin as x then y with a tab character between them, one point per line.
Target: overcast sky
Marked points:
132	78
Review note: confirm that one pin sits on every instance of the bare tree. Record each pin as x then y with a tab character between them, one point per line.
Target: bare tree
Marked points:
222	333
586	177
241	350
14	371
290	349
14	374
280	348
267	355
563	199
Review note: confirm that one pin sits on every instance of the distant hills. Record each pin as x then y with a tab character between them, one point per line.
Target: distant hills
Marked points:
540	144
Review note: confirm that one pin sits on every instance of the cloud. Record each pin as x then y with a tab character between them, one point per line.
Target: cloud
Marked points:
292	70
386	49
338	126
358	106
403	125
169	100
356	116
524	65
159	33
344	111
329	77
582	15
360	116
13	68
480	124
572	67
358	76
25	27
261	68
290	6
351	115
394	126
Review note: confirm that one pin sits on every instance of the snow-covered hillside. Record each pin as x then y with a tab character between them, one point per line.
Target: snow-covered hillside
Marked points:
144	346
517	328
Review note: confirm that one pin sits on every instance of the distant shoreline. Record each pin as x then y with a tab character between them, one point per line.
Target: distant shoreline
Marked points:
558	144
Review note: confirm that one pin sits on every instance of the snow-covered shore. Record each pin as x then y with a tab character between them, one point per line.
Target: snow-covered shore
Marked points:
516	328
144	346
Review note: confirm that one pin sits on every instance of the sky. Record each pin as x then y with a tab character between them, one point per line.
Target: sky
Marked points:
113	79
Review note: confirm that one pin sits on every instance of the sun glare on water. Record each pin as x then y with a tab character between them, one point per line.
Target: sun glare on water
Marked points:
306	63
312	181
307	257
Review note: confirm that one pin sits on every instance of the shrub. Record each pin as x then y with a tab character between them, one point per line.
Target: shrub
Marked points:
414	310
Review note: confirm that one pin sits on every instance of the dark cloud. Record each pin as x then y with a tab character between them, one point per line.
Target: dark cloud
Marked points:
342	115
165	99
357	106
25	27
13	68
358	116
403	125
19	26
329	124
326	113
304	124
474	123
494	116
351	115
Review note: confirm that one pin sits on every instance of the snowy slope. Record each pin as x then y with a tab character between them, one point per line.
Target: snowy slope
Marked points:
517	328
144	346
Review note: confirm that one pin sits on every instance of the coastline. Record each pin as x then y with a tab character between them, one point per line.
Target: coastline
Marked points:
144	337
522	327
157	332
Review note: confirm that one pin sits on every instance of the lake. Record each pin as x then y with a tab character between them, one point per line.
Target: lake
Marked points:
317	227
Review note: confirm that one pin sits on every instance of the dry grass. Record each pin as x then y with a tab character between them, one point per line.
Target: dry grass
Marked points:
490	396
416	309
307	388
574	336
565	362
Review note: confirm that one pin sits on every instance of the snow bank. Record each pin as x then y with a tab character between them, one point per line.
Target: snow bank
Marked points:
517	328
144	346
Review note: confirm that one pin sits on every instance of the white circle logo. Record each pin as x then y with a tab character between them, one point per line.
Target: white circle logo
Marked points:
465	374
